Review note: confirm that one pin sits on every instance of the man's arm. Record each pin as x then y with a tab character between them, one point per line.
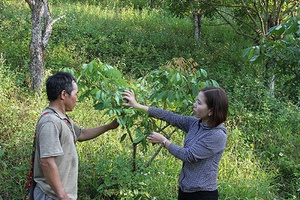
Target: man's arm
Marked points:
91	133
52	176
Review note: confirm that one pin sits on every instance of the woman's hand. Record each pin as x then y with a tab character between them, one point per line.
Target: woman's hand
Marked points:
129	96
155	138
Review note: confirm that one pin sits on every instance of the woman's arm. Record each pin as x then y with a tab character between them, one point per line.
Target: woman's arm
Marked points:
182	122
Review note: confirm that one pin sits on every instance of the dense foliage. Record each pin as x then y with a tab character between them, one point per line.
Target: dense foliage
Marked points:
281	57
261	160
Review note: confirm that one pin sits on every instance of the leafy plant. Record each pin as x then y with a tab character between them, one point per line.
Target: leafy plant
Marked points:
173	86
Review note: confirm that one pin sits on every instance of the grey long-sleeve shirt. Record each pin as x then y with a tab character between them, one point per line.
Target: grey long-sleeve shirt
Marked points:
202	151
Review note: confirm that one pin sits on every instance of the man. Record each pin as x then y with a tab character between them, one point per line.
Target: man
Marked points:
56	159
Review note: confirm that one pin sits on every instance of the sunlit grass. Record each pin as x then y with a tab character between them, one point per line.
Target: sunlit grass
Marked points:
241	174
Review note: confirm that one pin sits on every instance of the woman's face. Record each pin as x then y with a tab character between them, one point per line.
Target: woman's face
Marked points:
200	108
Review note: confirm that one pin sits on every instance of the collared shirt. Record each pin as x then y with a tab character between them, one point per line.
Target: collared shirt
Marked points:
202	151
55	138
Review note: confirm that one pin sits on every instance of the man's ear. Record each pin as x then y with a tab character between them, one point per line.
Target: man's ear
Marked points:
62	94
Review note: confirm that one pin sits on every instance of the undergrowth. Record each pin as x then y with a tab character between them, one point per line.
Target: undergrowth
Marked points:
105	165
261	159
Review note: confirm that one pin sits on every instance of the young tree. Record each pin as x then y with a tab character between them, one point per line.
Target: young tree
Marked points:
282	54
195	9
251	18
173	86
40	33
254	19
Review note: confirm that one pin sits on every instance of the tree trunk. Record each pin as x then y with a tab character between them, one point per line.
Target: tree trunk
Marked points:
197	25
39	40
37	49
272	86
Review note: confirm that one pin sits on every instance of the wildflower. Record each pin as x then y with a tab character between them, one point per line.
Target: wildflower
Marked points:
281	154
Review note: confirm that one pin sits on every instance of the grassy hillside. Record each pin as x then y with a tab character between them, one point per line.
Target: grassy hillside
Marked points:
261	160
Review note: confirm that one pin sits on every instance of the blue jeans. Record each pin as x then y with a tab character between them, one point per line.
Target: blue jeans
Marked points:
40	195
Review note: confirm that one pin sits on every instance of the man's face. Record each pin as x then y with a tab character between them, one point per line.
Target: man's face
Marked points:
70	100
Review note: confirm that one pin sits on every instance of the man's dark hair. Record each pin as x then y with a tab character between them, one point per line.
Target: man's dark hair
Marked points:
58	82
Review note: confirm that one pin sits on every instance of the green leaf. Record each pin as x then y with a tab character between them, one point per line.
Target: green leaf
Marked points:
99	106
117	99
215	83
254	58
195	90
107	103
170	96
138	139
98	94
160	95
90	67
123	137
293	28
246	52
122	121
178	77
289	38
203	72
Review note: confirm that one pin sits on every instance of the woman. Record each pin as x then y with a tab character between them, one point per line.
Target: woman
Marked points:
204	143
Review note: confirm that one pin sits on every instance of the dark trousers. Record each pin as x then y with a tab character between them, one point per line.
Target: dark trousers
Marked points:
201	195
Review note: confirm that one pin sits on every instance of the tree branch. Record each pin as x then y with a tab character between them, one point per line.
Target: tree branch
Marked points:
30	2
233	26
158	150
48	24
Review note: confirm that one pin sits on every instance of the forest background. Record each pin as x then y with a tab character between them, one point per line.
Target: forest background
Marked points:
134	40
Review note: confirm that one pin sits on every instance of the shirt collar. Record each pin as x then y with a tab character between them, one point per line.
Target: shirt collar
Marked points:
58	113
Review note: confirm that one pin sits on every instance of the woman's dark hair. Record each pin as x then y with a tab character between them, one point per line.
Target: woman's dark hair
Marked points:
58	82
216	99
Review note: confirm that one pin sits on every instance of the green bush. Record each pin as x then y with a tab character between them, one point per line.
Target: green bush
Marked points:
15	36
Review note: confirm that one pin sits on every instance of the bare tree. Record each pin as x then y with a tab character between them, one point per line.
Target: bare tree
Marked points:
40	33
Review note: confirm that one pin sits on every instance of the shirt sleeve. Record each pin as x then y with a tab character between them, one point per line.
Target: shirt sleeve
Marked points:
201	149
48	140
181	122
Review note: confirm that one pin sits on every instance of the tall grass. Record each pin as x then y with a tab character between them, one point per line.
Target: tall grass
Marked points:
242	175
134	40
